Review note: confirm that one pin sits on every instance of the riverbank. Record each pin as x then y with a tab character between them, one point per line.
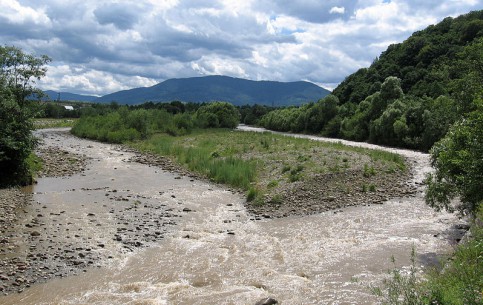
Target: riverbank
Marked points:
214	252
17	273
319	193
42	240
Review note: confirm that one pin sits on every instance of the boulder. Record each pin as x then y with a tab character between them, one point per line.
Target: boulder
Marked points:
267	301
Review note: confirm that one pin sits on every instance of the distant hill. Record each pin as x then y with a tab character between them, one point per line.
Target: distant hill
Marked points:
221	88
66	96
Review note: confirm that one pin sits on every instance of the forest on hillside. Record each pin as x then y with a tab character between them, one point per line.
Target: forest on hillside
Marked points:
408	97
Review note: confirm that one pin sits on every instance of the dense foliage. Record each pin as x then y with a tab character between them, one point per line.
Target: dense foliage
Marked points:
458	160
409	97
428	62
18	72
118	124
218	115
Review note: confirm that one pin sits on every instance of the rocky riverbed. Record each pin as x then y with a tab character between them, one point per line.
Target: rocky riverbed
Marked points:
137	228
38	243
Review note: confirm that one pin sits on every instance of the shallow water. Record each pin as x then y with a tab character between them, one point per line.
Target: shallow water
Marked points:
215	254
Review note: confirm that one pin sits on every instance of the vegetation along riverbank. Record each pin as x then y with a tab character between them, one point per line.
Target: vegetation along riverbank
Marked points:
281	176
423	94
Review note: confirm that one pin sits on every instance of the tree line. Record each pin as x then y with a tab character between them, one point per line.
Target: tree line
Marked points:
118	124
408	97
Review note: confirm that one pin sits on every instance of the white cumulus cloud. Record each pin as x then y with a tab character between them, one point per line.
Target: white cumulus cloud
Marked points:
337	10
99	47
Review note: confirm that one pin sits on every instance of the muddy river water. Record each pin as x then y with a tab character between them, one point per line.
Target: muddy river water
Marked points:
199	245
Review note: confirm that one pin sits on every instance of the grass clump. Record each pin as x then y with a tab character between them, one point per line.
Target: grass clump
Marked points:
459	282
272	184
53	123
201	154
35	164
369	171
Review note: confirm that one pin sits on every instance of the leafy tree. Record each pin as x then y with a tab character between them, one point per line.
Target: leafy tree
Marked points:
321	113
218	114
458	160
438	116
390	128
18	72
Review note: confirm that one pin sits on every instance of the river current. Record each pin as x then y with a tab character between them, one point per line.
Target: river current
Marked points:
214	253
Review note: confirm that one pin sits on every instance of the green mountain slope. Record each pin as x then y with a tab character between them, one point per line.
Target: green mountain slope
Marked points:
427	62
221	88
408	97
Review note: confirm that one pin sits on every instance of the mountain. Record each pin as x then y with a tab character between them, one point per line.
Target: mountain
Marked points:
221	88
66	96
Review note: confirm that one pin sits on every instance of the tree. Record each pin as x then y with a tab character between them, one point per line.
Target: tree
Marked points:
458	160
218	114
321	113
18	72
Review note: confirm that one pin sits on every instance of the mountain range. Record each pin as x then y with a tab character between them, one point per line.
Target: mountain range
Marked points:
66	96
211	88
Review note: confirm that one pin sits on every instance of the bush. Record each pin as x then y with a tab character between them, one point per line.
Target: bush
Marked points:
458	160
16	141
218	115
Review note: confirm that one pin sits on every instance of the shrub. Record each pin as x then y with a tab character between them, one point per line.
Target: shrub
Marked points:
218	114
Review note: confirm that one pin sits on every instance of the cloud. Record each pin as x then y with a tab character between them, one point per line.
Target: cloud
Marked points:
122	16
337	10
15	13
99	47
68	78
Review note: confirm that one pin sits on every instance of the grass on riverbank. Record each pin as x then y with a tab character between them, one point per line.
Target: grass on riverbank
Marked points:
459	282
266	165
53	123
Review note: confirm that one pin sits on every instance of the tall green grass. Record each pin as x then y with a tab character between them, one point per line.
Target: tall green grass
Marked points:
240	159
203	158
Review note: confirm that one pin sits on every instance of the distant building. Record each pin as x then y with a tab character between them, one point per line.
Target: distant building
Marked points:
69	108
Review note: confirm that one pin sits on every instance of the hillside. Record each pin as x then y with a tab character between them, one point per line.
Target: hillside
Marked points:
221	88
408	97
427	62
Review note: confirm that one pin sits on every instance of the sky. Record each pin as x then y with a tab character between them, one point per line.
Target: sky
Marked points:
100	47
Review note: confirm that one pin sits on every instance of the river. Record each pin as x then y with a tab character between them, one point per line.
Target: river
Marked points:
211	250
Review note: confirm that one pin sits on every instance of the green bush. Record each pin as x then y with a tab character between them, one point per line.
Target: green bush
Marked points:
461	281
458	160
218	115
